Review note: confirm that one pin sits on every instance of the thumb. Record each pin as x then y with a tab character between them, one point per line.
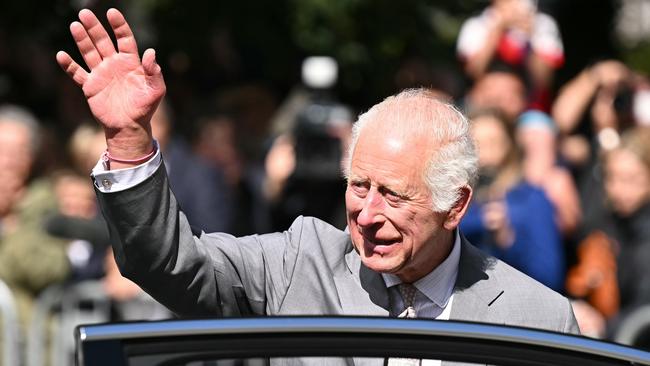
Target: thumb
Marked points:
149	63
152	70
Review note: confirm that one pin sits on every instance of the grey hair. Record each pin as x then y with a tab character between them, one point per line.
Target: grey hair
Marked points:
10	113
453	162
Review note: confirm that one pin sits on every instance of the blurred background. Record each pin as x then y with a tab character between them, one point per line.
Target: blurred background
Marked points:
226	49
261	98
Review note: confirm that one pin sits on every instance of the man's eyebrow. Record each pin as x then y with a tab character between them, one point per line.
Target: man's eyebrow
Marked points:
354	178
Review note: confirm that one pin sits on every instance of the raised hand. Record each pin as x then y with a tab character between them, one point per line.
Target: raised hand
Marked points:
122	91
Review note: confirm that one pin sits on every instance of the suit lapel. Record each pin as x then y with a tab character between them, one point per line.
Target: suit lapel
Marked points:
361	291
476	294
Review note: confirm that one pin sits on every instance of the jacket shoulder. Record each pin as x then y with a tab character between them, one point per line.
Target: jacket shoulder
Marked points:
508	296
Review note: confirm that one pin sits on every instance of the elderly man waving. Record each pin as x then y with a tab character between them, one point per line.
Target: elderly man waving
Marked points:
409	171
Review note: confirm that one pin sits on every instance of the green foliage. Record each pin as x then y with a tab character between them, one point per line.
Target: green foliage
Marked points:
206	46
370	39
638	57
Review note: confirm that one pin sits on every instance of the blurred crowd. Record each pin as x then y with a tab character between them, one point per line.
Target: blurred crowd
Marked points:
563	192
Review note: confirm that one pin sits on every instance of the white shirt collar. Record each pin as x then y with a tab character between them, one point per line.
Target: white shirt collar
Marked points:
439	284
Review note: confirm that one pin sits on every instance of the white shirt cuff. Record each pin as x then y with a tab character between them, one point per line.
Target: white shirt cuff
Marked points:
117	180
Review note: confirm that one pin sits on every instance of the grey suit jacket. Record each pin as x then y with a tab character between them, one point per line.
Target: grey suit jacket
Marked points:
310	269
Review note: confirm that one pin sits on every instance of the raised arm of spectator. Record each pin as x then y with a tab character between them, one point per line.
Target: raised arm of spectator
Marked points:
574	98
476	60
122	90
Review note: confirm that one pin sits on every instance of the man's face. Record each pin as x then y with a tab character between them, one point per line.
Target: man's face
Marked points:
389	208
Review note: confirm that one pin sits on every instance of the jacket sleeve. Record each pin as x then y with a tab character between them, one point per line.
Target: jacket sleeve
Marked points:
193	273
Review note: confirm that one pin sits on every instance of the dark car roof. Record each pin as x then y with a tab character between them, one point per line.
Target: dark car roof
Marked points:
345	337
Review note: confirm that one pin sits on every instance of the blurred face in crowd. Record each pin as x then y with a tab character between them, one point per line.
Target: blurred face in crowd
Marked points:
627	182
538	144
499	90
217	143
536	141
86	146
389	206
75	197
15	149
491	141
11	187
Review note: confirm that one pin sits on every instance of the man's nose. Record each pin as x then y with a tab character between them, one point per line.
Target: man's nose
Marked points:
371	212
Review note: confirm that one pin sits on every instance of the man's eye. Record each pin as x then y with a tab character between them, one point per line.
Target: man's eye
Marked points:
359	187
392	196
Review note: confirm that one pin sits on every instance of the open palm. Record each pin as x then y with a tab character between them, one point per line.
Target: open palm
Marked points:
122	91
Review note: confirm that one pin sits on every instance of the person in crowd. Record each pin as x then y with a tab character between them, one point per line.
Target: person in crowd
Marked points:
627	188
514	35
291	185
612	272
78	220
85	145
509	217
501	90
30	259
592	110
201	189
303	164
402	226
537	137
216	141
600	94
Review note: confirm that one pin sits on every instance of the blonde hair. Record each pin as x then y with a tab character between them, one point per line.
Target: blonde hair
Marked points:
637	141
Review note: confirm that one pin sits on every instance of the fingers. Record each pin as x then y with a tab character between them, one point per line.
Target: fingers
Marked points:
125	40
97	33
85	45
76	72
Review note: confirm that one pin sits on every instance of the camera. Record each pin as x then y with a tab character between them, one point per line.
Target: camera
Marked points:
317	144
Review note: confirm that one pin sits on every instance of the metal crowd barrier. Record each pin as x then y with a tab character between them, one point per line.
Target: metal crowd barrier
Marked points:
10	340
57	311
60	308
634	329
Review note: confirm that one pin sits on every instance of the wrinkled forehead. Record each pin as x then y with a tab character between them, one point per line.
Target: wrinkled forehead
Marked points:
391	156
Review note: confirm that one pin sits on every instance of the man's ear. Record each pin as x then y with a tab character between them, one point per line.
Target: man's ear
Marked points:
458	210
